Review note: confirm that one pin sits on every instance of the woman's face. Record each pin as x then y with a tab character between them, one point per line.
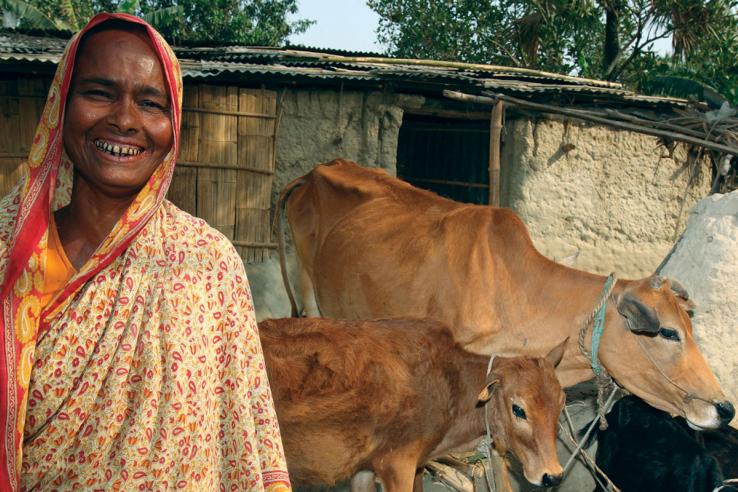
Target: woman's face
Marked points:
117	126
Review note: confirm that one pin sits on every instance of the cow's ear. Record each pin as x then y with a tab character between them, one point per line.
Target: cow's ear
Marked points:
557	353
640	318
486	394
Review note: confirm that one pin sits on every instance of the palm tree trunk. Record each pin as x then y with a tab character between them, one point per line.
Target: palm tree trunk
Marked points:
612	36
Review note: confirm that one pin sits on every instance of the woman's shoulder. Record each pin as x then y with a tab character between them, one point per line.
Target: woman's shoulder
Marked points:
185	234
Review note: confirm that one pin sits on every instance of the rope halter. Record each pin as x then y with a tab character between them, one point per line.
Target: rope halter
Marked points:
598	316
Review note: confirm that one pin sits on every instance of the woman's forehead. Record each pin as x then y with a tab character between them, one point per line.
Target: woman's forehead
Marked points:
121	57
133	39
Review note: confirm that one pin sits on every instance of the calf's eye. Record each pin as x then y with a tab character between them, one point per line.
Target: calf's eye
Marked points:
519	412
669	334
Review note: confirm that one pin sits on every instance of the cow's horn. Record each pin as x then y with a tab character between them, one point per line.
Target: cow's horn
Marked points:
679	290
656	281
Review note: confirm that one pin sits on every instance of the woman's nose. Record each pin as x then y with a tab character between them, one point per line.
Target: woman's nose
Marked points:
125	116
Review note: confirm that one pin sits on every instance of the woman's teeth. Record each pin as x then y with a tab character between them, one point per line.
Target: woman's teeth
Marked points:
117	150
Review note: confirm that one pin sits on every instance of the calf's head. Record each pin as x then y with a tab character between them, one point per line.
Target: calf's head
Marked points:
648	348
524	401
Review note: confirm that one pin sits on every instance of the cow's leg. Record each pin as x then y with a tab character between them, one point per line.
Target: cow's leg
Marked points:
309	302
418	482
397	473
363	481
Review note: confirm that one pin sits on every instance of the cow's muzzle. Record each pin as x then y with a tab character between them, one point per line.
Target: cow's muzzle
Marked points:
551	480
725	411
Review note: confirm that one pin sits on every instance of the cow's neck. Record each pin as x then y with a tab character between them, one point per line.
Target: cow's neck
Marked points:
540	304
466	419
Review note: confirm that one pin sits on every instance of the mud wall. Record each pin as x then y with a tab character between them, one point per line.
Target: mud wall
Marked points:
615	196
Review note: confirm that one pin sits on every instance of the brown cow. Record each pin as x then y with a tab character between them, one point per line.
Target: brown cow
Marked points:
389	395
373	246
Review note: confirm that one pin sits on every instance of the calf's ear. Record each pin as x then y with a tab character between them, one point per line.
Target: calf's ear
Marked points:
640	318
557	353
486	394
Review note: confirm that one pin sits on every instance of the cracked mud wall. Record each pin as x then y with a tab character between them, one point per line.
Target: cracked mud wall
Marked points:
611	194
318	126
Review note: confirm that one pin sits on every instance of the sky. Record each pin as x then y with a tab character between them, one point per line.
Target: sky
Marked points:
340	24
351	25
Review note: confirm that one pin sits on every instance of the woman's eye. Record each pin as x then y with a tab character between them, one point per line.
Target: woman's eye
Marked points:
154	105
97	93
669	334
519	412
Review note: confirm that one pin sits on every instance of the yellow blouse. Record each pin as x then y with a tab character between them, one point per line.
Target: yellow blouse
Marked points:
58	267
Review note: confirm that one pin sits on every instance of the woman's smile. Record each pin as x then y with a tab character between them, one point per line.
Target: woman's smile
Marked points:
119	150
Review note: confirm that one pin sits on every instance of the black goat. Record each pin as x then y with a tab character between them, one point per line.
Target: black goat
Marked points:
646	450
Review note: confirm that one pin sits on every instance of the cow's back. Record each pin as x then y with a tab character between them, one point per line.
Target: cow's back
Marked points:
337	385
334	191
375	246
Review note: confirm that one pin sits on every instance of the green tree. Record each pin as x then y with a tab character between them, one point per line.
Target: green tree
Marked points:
251	22
607	39
517	32
64	15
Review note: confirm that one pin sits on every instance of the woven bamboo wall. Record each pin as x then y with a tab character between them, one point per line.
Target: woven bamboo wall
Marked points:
21	103
226	163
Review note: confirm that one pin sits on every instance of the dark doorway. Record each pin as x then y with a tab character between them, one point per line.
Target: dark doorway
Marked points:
445	155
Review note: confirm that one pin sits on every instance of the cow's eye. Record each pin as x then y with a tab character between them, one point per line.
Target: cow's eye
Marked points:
519	412
669	334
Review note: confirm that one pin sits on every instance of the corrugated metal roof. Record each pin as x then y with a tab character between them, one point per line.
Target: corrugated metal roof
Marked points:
248	62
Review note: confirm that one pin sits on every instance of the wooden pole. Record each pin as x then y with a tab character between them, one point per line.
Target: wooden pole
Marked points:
582	115
495	138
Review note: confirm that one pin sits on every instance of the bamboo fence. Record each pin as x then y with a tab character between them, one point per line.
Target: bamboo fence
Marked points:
226	163
21	104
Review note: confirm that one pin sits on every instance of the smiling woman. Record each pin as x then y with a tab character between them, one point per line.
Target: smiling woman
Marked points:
129	357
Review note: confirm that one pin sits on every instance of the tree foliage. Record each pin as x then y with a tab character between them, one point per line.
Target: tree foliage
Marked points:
250	22
606	39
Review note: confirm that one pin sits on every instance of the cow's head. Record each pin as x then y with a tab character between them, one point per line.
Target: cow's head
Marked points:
524	401
648	348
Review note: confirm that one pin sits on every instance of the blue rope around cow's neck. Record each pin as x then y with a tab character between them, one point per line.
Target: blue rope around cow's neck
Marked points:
599	327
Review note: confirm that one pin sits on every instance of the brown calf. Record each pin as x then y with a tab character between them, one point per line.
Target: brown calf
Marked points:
389	395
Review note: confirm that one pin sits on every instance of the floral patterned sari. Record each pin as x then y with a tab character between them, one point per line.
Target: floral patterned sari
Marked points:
145	372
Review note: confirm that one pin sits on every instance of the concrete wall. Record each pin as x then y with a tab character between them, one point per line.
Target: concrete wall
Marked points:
613	196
